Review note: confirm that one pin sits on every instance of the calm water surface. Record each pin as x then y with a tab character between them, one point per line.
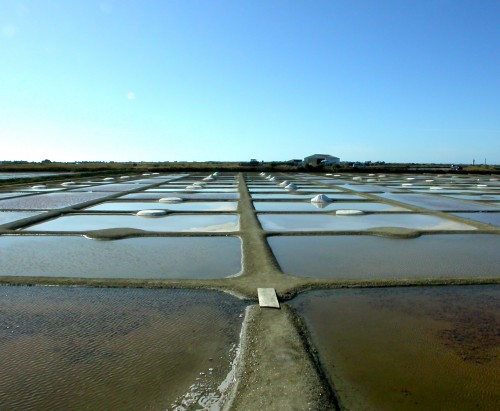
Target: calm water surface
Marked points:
148	257
10	176
370	257
408	349
317	222
168	223
115	349
48	201
330	206
151	205
487	218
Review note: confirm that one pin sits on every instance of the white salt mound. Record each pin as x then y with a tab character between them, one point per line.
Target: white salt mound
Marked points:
291	186
349	212
151	213
170	200
321	198
284	183
320	205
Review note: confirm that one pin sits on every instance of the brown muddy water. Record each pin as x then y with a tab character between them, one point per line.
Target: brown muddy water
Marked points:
408	348
370	257
115	349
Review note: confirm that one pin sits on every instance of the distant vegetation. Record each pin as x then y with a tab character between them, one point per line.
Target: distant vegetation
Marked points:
111	168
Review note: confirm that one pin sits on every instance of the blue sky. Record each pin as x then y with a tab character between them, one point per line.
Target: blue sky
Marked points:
159	80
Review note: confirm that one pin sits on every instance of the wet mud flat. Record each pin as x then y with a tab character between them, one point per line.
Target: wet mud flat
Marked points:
126	349
408	348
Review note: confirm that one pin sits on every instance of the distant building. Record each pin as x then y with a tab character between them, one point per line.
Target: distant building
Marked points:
321	159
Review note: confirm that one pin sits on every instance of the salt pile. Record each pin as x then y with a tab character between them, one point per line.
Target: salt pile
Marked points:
151	213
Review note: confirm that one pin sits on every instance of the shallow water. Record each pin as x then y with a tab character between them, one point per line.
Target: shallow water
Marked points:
49	201
150	205
408	348
169	223
10	195
205	189
142	258
322	222
302	196
110	187
158	179
11	216
41	190
450	191
485	197
310	207
366	188
437	203
487	218
181	194
114	349
370	257
284	196
12	175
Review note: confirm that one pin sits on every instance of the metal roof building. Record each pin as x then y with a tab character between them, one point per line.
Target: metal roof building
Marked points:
316	159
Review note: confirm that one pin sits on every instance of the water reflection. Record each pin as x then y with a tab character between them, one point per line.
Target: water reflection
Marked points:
409	349
114	349
369	257
75	256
